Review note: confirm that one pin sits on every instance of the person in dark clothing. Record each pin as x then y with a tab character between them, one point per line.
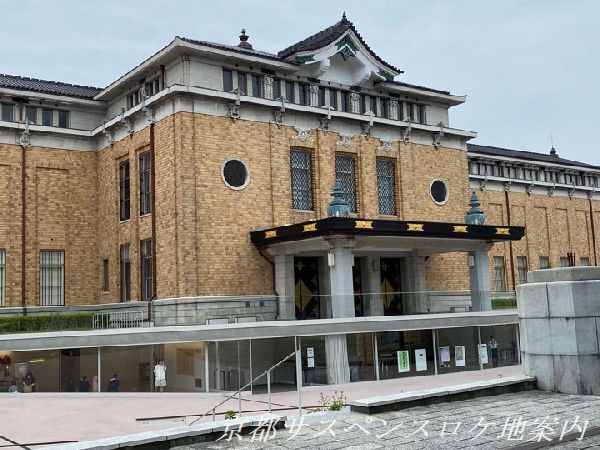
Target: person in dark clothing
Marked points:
84	384
30	382
113	383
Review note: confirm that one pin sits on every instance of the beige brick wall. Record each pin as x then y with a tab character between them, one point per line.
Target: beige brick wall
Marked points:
202	227
61	214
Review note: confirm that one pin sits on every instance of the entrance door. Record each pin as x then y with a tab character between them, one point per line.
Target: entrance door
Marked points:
391	287
306	276
69	369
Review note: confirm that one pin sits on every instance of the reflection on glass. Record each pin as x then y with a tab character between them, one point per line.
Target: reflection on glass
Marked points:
500	346
416	353
457	349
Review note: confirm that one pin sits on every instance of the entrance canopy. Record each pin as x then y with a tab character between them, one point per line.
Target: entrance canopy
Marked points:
391	235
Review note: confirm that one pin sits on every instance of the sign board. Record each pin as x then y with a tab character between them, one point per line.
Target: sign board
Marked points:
444	354
310	352
459	355
403	361
421	359
310	362
483	356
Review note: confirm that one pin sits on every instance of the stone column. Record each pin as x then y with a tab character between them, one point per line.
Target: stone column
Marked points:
340	282
371	279
559	322
285	286
479	271
415	299
342	305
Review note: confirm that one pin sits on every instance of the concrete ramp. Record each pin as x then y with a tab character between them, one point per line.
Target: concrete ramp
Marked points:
403	400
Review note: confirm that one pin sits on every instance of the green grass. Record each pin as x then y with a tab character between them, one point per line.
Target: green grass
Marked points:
48	322
504	303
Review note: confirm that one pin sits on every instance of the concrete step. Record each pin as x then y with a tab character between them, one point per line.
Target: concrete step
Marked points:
403	400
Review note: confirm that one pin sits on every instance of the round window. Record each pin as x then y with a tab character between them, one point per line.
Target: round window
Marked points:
439	192
235	174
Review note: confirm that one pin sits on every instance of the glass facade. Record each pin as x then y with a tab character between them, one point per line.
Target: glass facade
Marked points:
231	365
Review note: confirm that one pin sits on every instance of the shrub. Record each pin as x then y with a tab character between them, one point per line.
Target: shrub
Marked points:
504	303
47	322
230	414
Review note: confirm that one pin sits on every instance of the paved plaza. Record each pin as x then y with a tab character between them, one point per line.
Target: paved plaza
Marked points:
522	420
45	418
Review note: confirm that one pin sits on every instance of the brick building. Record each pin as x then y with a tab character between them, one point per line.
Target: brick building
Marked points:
149	189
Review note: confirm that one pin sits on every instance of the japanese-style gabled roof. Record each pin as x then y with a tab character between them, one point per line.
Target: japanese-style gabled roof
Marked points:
326	37
527	156
233	48
48	87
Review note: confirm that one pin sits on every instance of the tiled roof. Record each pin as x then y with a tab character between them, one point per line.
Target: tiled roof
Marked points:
527	156
422	88
233	48
326	37
47	87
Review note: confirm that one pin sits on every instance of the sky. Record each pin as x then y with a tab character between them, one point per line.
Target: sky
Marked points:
527	67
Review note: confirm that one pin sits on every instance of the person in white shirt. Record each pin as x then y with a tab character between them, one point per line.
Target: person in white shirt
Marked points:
160	376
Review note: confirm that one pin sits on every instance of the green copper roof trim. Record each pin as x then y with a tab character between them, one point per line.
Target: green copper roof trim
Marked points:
346	53
388	76
304	59
346	41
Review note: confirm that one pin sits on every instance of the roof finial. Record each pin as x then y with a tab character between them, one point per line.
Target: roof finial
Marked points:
552	150
344	16
244	40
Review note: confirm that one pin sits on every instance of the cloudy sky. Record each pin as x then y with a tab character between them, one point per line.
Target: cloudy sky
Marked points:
527	67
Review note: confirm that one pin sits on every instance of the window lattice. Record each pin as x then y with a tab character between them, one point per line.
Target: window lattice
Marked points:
345	174
499	274
386	187
302	195
52	278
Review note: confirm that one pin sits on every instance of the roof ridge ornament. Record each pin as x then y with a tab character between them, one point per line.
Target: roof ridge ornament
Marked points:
338	206
244	40
474	216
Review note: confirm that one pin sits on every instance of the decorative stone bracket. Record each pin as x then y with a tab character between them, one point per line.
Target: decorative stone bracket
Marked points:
406	132
234	108
437	137
23	138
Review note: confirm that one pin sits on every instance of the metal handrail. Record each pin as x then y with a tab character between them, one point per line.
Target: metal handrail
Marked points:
239	391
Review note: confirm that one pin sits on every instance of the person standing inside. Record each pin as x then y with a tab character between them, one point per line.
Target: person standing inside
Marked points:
84	384
494	351
160	376
113	383
95	383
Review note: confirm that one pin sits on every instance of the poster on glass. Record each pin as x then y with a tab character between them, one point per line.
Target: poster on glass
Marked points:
421	359
483	355
444	356
403	361
459	355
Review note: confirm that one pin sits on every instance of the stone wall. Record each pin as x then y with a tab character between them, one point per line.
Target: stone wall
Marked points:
559	321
